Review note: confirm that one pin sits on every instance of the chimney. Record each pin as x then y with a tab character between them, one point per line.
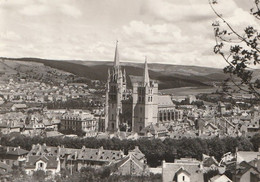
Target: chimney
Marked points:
163	164
258	162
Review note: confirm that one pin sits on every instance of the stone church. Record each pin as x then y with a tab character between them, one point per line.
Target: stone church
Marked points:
135	109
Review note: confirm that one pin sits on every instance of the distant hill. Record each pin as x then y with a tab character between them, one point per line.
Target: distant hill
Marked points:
168	76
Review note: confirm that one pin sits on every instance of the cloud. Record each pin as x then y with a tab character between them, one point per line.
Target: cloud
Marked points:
70	10
35	10
166	31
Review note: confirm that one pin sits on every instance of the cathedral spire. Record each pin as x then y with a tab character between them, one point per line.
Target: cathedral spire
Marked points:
116	58
146	73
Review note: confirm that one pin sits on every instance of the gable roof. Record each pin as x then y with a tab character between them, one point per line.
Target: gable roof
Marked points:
154	129
169	171
137	153
246	156
165	101
220	178
52	162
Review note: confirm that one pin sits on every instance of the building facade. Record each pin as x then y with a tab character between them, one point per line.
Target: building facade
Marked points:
134	109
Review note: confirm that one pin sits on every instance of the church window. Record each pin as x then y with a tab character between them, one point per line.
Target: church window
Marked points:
183	178
165	116
148	99
112	116
113	126
169	116
151	99
172	115
141	109
161	116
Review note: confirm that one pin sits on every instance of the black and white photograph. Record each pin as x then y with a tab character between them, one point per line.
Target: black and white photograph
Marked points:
129	91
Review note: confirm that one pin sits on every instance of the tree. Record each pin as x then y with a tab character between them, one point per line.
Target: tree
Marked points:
39	175
240	50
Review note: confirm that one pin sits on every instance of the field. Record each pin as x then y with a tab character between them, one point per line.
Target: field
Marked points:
188	90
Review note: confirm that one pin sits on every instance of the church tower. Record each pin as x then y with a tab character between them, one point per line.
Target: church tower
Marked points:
115	89
145	102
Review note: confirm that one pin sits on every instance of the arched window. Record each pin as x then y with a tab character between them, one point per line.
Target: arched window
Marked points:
113	126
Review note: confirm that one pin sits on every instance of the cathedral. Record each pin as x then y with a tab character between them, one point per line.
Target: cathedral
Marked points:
136	108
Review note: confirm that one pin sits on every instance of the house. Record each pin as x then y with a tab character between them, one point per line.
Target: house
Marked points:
78	158
133	164
209	161
245	172
220	178
18	107
247	156
130	165
13	155
183	170
48	164
4	169
155	130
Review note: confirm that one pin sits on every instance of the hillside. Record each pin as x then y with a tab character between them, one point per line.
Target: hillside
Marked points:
168	76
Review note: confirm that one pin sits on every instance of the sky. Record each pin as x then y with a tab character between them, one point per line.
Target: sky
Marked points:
166	31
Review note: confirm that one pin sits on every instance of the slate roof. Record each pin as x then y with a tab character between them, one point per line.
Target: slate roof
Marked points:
246	156
51	161
99	154
165	101
130	157
220	178
16	151
137	153
154	129
78	154
244	167
169	171
4	168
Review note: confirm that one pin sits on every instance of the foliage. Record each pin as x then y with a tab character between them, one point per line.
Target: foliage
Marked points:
240	50
155	150
208	175
39	175
255	140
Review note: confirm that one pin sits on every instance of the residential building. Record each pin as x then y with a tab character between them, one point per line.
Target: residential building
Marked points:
49	164
182	170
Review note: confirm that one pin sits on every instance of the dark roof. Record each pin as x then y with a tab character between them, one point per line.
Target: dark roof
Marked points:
52	162
170	171
154	129
4	168
137	153
16	151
